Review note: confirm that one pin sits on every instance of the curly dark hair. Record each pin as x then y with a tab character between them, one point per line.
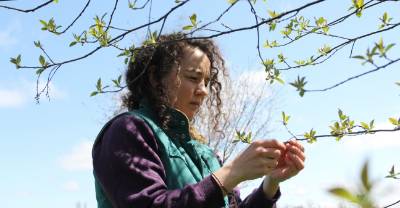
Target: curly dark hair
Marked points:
161	57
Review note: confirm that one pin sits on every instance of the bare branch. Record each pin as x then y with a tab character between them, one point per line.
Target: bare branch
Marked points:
27	10
354	77
392	204
352	133
76	18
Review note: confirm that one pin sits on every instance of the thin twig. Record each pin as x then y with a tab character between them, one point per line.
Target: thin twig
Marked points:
28	10
354	77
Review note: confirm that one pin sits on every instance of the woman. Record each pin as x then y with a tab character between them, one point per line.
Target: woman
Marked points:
153	157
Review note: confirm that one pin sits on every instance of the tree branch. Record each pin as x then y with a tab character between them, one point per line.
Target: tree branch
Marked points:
27	10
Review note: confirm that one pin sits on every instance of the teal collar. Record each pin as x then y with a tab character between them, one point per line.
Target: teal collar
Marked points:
178	126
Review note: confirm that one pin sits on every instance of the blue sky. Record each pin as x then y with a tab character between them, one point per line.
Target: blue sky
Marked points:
45	148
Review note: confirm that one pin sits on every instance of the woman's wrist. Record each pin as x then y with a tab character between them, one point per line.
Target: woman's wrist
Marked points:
225	178
270	187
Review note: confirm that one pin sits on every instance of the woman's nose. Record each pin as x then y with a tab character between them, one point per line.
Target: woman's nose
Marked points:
202	89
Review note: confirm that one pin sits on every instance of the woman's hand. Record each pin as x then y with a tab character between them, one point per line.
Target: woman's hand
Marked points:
259	159
290	163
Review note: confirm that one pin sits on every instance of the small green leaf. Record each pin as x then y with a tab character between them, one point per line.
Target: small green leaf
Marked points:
55	1
42	61
93	93
187	27
193	19
279	80
389	47
358	57
37	44
394	121
365	125
131	5
39	71
371	125
232	1
365	177
285	118
272	14
72	43
99	85
344	194
44	23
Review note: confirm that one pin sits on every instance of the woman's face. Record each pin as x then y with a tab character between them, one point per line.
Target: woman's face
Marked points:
188	88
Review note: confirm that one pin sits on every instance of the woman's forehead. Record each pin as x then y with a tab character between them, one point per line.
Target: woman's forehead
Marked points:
195	60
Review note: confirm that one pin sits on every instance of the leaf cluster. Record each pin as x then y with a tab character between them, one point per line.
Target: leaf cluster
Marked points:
299	85
243	136
393	174
342	127
362	196
50	26
379	49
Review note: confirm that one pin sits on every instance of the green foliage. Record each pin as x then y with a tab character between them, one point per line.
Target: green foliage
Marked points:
193	21
98	31
379	49
50	26
361	197
395	122
117	82
16	61
324	50
131	5
366	126
393	174
343	193
272	44
151	40
99	88
273	14
37	44
359	6
285	118
385	20
273	74
232	1
128	54
299	85
281	58
382	48
343	126
322	24
310	136
243	137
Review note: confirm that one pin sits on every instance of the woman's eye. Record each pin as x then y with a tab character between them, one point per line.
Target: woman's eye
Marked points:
193	78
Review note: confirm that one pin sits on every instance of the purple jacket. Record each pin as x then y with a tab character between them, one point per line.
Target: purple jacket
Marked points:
127	163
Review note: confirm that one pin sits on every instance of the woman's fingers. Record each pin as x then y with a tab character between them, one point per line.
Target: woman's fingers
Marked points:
297	144
296	150
296	161
271	143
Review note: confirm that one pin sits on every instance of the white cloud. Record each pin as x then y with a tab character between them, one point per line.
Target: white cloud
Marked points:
7	36
71	186
11	98
24	92
54	92
378	141
79	158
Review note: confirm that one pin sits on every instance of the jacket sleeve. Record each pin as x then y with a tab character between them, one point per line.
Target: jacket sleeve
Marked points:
257	199
127	164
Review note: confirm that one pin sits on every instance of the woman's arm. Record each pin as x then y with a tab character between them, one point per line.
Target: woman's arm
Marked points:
127	163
